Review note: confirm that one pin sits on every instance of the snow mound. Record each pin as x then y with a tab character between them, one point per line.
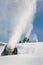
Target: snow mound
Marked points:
35	58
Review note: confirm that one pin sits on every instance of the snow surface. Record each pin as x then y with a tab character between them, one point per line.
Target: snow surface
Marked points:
33	56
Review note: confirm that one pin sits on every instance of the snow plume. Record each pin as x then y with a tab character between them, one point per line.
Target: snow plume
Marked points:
22	19
33	38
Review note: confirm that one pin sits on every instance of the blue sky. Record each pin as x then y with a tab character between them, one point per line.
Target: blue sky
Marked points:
38	21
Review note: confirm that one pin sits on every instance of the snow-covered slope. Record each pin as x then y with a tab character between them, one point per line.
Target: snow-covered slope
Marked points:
34	58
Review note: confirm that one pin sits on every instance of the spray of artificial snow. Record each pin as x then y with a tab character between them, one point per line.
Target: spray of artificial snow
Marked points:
23	20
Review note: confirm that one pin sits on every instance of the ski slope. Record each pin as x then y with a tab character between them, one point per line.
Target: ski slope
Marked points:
30	54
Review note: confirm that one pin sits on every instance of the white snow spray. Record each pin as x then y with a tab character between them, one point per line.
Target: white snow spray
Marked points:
22	20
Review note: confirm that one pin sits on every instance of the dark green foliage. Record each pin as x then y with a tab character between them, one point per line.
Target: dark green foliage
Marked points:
19	41
15	51
5	52
25	40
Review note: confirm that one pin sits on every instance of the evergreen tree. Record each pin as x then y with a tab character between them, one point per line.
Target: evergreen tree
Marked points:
25	40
